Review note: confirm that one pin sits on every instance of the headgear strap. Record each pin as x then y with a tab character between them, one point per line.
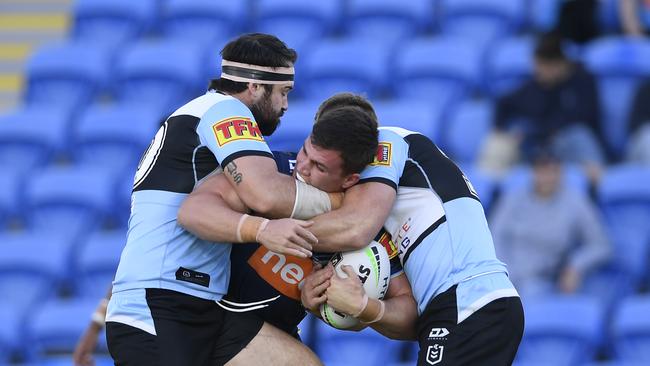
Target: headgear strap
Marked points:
248	73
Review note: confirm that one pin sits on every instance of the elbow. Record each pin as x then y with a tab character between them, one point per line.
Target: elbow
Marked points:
262	205
360	237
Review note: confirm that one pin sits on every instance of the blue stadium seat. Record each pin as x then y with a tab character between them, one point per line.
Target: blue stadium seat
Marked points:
509	63
69	199
115	136
481	19
350	64
97	261
419	74
561	330
296	126
112	22
366	347
466	129
32	136
162	74
521	177
388	19
11	317
32	266
56	325
543	14
297	22
68	74
419	116
619	65
11	183
624	196
204	20
631	330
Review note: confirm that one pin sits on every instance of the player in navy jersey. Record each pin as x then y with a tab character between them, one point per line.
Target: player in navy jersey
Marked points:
264	295
162	310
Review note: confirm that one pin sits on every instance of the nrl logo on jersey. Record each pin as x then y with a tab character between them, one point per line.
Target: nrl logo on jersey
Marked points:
236	128
384	154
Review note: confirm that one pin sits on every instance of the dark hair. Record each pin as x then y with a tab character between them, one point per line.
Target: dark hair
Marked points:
549	47
350	131
344	100
257	49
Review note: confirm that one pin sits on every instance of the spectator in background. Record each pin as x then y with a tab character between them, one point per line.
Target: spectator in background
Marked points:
639	126
536	231
635	16
577	20
558	106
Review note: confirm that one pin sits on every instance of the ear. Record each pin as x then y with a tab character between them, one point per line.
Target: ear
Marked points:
256	90
350	180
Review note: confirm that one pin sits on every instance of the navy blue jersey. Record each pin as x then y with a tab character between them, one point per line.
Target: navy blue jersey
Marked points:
268	282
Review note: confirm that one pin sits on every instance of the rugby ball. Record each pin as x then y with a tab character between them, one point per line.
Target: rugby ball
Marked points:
373	268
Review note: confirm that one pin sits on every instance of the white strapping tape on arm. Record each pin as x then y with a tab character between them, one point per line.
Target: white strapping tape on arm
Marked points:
309	202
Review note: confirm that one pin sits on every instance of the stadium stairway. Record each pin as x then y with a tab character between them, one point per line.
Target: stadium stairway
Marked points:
25	25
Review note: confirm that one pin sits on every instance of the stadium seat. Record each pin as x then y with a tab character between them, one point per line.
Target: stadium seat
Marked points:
115	136
467	127
11	317
366	347
631	330
388	19
296	126
204	20
508	64
112	22
624	196
619	65
11	182
56	325
97	261
70	74
349	64
543	14
32	266
420	74
481	19
521	177
419	116
32	136
561	330
297	22
69	199
161	74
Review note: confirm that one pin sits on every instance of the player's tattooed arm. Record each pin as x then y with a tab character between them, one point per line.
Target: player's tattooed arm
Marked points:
231	169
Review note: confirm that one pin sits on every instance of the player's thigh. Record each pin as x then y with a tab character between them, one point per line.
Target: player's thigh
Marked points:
271	346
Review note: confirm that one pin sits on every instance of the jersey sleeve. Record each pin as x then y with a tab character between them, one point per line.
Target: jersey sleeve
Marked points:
389	161
230	131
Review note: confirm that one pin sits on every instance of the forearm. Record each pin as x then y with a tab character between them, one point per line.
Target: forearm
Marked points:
398	320
365	209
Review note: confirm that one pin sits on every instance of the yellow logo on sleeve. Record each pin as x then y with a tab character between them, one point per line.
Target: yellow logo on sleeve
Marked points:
236	128
384	154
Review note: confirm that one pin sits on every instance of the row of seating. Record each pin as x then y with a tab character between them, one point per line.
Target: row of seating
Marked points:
560	330
115	21
166	73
